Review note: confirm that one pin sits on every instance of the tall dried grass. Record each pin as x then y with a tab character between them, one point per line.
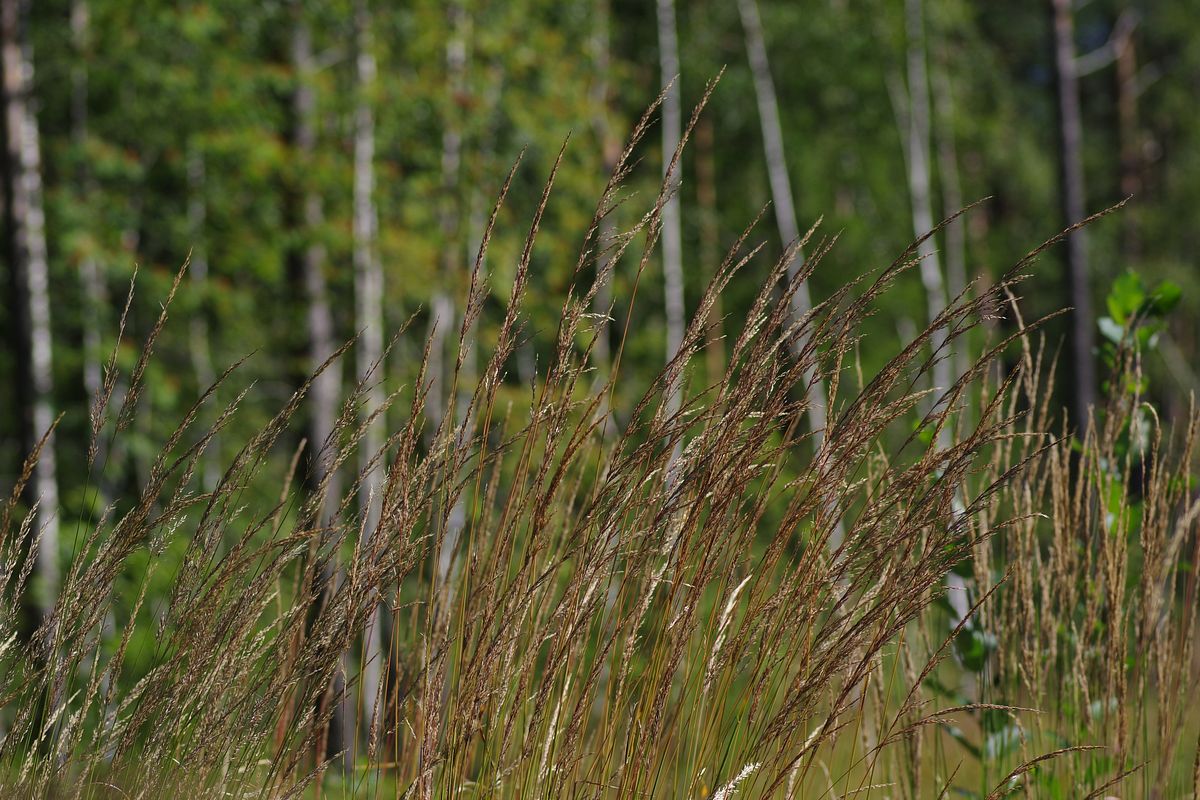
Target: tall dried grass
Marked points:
1097	625
574	611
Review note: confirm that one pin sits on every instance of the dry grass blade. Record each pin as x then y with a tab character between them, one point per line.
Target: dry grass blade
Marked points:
697	602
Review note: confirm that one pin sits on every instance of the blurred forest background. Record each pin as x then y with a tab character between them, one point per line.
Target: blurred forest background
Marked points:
330	166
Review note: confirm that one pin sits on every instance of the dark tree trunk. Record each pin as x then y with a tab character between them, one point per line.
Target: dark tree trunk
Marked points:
710	241
91	280
1130	141
201	350
1074	209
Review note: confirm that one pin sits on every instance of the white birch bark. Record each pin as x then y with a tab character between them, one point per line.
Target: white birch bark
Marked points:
28	226
368	297
785	217
916	139
443	310
326	387
672	236
952	203
919	190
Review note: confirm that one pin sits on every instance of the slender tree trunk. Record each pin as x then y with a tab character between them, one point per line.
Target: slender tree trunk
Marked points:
438	402
781	191
602	303
449	561
201	352
710	242
1130	142
952	203
368	296
326	387
915	126
920	195
91	281
95	293
610	149
785	216
1074	204
27	236
441	318
442	311
672	235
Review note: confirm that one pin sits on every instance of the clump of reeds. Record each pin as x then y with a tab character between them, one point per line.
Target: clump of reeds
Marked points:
1096	626
1082	577
686	603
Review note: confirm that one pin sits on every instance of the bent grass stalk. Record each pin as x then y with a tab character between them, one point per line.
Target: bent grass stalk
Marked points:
577	611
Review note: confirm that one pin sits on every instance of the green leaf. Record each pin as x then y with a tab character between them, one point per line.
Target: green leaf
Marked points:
1111	329
1126	296
1147	335
1165	297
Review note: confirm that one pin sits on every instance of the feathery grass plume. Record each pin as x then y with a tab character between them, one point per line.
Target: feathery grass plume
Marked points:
1097	624
580	608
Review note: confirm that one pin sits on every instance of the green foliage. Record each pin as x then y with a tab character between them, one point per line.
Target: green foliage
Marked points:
1136	315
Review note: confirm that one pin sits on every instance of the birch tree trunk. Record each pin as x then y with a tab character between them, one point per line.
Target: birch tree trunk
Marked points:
27	233
442	303
368	297
952	203
467	376
326	387
672	236
438	404
785	216
781	192
1074	203
444	312
449	560
919	190
914	125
